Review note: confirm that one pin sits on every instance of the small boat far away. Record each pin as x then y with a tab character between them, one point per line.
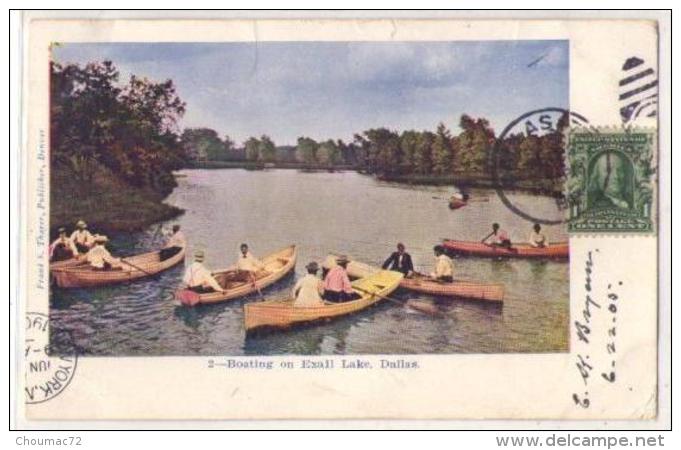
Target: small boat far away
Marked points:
278	314
559	250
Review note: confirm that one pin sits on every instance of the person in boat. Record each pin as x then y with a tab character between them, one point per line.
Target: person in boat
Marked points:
400	261
498	237
175	244
248	265
199	279
307	291
82	238
537	239
444	267
62	248
337	287
99	257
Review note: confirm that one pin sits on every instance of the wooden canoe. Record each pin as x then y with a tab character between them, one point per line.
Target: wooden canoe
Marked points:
140	266
468	248
277	314
277	266
469	289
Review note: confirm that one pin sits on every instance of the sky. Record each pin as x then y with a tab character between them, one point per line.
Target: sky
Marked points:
332	90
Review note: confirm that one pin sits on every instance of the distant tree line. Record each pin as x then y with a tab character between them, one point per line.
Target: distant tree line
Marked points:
411	152
130	129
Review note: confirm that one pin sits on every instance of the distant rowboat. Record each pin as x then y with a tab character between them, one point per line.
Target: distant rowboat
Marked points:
277	265
134	267
469	289
557	250
278	314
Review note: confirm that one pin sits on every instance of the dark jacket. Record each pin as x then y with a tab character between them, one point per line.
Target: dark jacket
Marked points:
392	263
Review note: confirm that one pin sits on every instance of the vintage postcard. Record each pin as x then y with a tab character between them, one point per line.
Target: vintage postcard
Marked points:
340	219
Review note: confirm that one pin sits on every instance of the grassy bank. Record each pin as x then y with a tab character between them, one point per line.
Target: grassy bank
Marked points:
106	203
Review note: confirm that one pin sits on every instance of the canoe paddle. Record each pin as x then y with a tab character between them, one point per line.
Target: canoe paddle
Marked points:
123	260
399	302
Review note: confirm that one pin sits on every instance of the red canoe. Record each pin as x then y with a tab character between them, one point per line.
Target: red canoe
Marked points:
557	250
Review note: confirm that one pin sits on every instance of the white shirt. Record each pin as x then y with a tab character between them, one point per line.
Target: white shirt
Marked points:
177	240
249	263
197	275
98	255
537	239
308	288
82	237
444	267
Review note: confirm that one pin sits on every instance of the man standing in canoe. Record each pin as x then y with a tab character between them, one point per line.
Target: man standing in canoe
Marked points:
337	287
307	291
82	238
99	257
62	248
400	261
174	245
444	267
199	279
537	239
498	237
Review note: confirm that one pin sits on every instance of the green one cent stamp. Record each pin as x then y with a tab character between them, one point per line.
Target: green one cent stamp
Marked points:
611	181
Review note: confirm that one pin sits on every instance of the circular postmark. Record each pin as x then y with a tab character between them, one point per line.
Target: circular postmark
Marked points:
47	375
537	123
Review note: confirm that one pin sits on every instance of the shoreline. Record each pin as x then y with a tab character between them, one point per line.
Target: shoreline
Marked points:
538	187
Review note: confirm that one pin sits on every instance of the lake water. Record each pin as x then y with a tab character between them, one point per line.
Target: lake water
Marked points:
325	212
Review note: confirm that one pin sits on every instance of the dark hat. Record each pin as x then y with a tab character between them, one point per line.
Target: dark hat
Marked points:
342	259
312	266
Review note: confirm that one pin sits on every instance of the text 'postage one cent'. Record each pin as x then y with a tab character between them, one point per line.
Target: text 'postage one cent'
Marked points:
611	181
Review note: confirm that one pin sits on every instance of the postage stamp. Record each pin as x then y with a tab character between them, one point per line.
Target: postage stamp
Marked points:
611	180
302	219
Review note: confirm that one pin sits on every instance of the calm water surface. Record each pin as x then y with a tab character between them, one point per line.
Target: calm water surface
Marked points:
321	213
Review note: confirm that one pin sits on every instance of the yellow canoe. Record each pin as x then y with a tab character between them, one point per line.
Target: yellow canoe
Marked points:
275	314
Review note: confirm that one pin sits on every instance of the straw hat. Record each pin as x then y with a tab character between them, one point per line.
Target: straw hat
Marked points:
198	255
61	230
81	224
342	259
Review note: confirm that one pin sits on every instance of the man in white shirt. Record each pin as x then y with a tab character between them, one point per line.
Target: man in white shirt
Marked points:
247	262
82	238
444	267
307	291
537	239
199	279
100	258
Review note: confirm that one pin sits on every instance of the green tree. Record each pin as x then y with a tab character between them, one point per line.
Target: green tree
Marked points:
443	150
409	146
252	146
328	153
306	150
474	145
423	159
267	151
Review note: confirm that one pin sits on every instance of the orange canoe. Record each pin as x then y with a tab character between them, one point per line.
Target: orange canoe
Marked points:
557	250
